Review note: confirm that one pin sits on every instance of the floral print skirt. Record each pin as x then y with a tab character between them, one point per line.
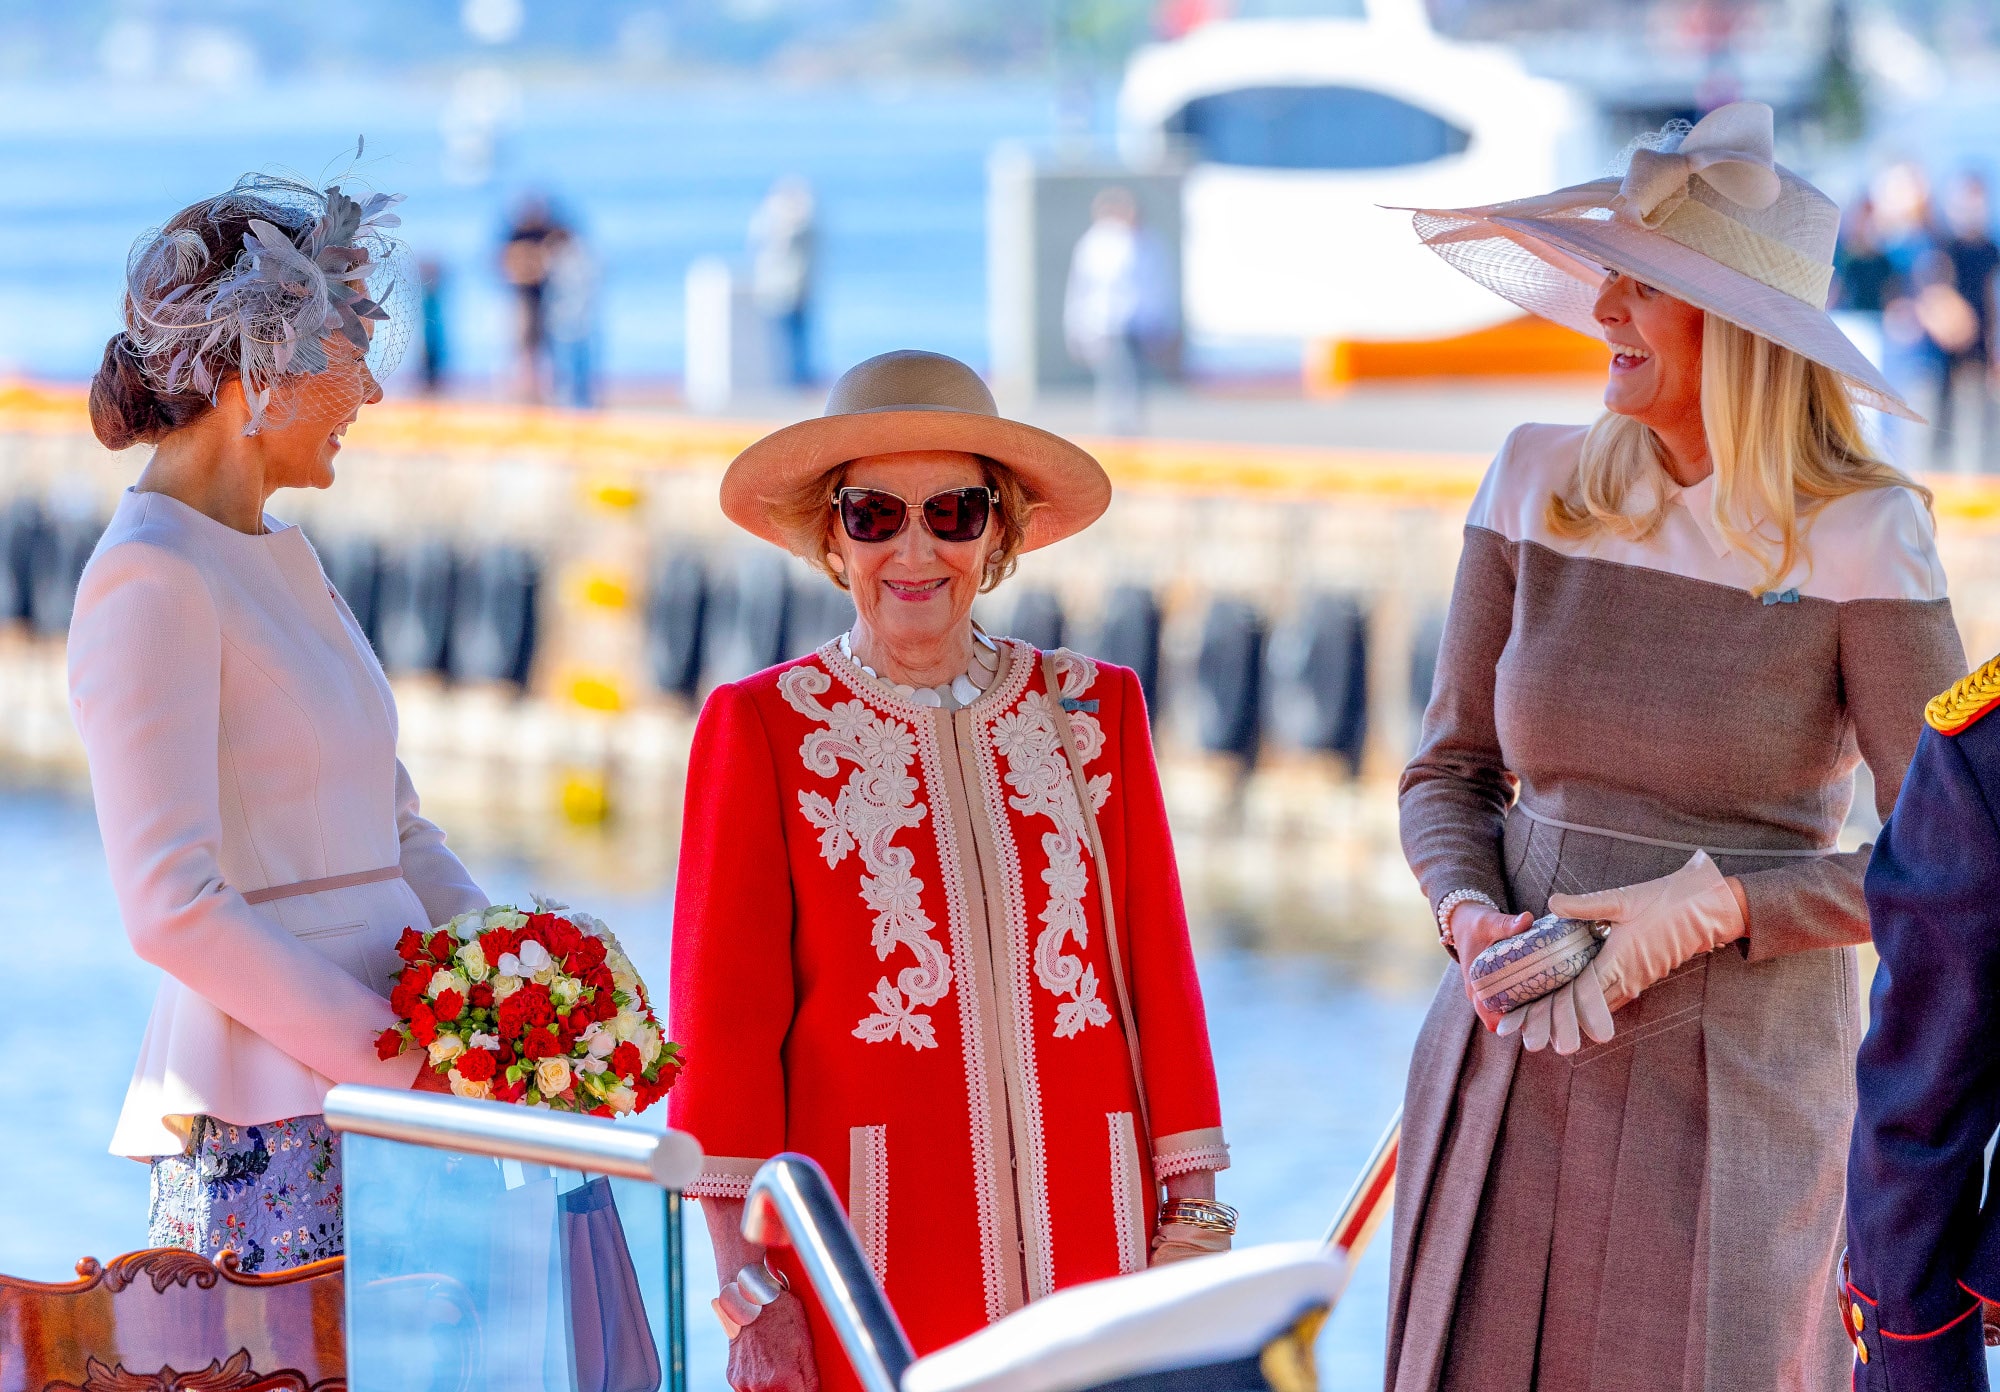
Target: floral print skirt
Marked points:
270	1192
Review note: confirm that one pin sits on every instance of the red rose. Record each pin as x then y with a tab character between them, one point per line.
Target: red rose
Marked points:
579	1020
482	996
449	1005
602	1006
423	1025
505	1091
592	950
507	1054
539	1044
407	996
442	945
497	943
477	1065
603	1109
388	1044
410	947
625	1061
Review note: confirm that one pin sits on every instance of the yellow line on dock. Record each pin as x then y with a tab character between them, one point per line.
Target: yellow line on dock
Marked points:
643	442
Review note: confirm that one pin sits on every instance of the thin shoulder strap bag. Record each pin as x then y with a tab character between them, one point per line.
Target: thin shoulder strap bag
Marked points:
1060	712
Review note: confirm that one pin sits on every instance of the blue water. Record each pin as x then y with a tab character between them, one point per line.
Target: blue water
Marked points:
656	177
1310	1066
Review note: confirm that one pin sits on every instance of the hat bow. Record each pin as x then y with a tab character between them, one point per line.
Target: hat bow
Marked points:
1729	150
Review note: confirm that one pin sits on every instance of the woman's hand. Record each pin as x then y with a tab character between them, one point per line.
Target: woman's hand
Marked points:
774	1353
1474	928
1178	1241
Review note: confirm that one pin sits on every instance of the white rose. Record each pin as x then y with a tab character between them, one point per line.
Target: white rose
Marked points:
445	1048
505	986
472	957
465	1087
625	1025
591	1065
442	981
466	925
500	916
552	1076
565	990
599	1040
621	1099
649	1042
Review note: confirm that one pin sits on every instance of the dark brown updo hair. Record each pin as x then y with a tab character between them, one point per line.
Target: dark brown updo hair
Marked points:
129	404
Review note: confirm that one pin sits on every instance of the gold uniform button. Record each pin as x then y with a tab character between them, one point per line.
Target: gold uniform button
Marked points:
1857	1319
1861	1350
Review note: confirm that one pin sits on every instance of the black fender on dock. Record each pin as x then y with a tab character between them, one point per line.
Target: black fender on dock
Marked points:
493	630
1130	636
677	610
21	525
1037	618
1318	666
58	554
417	597
1228	679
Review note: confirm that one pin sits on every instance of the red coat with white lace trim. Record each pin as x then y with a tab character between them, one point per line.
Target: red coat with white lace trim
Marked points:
888	954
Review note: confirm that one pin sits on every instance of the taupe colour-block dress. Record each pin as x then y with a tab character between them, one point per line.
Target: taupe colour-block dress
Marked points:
1663	1211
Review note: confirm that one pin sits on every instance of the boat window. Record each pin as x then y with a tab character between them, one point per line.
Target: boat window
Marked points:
1314	128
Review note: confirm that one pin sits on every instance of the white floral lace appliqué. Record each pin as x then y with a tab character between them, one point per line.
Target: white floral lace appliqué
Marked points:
1038	772
877	801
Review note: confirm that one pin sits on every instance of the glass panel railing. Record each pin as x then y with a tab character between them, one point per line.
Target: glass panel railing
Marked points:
474	1262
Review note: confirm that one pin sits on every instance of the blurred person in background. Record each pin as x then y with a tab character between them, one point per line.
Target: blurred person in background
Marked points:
264	841
570	312
1865	279
1117	307
1904	228
524	265
1954	307
1673	637
784	252
436	349
921	867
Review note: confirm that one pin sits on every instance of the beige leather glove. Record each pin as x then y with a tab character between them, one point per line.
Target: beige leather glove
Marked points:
1656	926
1179	1241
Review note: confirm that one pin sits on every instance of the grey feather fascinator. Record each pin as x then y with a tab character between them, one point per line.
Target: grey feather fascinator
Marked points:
317	277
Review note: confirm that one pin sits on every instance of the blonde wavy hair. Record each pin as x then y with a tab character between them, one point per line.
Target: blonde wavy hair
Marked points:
1783	435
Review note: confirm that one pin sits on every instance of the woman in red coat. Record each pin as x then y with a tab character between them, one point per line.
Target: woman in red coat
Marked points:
892	950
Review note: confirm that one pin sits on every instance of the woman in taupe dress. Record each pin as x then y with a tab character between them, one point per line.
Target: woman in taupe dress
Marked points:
1673	637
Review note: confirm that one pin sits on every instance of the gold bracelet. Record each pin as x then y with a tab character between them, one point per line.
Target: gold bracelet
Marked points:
1206	1214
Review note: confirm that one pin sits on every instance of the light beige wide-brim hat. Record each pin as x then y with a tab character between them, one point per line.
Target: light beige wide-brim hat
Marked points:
904	401
1705	214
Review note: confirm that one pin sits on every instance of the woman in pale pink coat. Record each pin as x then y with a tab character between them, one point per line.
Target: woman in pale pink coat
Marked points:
263	839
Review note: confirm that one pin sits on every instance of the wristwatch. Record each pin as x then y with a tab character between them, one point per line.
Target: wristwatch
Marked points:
1452	901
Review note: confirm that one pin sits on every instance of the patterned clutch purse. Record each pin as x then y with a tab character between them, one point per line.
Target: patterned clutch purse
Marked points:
1527	966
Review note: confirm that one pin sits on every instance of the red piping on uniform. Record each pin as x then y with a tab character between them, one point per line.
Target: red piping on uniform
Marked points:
1857	1292
1975	1294
1913	1338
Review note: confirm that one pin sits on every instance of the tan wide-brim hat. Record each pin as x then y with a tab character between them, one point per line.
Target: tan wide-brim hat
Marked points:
1704	214
904	401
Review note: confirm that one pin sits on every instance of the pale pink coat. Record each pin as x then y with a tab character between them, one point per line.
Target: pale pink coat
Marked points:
242	736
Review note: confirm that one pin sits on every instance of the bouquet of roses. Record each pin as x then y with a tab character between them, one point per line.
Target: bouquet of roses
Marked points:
537	1006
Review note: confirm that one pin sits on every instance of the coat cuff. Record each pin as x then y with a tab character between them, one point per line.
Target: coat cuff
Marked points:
1951	1355
1186	1152
724	1177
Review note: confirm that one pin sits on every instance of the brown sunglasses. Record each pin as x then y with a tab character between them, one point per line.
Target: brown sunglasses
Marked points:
875	514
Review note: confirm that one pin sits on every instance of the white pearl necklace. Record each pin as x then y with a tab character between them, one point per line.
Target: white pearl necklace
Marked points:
962	690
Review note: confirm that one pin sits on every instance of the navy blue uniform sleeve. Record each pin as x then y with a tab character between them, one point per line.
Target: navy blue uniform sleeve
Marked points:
1926	1074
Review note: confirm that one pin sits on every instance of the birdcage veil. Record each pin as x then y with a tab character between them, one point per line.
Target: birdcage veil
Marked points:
318	290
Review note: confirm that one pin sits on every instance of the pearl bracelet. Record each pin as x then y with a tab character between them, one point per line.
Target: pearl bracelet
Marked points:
1452	901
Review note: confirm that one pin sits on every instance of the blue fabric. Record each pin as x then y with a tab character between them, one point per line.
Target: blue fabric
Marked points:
270	1192
1928	1074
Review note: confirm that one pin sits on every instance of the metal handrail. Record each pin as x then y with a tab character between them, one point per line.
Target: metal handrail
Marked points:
791	1202
1369	1200
669	1159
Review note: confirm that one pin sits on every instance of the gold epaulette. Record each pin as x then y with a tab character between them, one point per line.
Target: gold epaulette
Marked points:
1974	695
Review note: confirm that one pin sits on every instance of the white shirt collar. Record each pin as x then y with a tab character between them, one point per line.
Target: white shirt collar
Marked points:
1699	500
